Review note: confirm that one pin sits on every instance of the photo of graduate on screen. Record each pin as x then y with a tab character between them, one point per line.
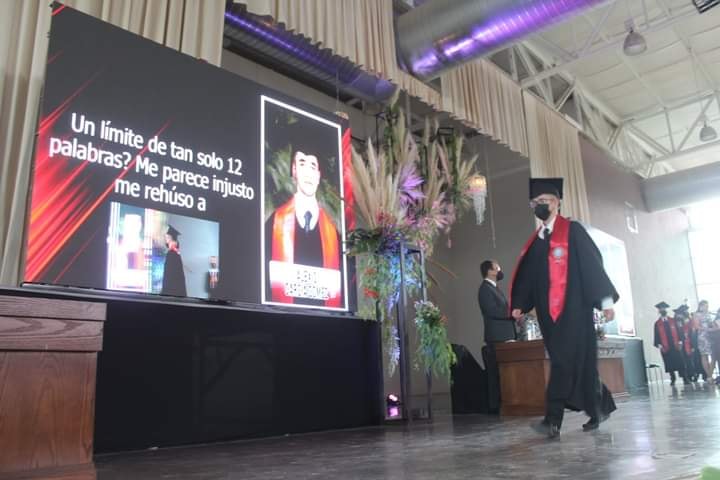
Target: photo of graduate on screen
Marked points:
145	256
303	224
173	282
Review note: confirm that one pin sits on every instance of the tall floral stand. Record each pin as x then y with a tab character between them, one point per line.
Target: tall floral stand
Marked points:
403	340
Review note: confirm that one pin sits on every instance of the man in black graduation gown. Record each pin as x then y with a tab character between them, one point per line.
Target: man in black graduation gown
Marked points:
499	326
560	274
173	273
669	339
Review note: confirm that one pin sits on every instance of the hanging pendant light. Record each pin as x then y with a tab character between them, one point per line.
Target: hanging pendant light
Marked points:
634	44
707	133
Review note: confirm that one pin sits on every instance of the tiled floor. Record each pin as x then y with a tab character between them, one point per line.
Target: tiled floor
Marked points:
668	434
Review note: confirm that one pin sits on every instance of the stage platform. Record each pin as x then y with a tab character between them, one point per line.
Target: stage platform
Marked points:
664	434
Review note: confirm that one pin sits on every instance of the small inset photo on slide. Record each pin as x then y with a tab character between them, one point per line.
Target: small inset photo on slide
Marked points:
150	251
303	220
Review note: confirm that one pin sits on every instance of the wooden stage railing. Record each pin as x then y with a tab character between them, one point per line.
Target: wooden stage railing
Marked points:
48	358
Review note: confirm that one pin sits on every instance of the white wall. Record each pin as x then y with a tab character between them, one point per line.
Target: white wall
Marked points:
658	255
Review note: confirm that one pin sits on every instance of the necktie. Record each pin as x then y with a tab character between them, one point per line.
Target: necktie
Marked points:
546	234
501	294
308	217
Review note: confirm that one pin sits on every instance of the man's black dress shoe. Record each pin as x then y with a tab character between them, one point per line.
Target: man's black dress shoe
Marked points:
546	428
594	423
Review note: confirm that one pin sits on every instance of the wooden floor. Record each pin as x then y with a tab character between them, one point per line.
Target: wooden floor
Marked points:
666	434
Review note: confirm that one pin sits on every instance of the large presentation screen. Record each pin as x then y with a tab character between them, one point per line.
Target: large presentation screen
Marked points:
157	173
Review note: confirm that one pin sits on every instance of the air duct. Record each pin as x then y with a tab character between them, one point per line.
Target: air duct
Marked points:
269	43
441	34
683	188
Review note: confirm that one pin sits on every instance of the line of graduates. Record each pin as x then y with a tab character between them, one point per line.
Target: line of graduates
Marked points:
689	344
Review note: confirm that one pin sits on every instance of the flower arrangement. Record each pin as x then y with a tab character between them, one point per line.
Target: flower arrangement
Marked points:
406	194
434	351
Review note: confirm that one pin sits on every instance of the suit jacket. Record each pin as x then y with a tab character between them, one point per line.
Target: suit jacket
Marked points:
499	326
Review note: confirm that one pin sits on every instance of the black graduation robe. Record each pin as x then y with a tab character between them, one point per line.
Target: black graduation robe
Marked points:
693	360
173	275
571	341
673	358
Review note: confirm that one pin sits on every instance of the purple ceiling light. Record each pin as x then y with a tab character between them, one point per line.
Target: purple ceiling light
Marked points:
441	34
273	43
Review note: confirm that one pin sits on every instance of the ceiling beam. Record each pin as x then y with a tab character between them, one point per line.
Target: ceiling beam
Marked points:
623	58
688	47
695	124
513	64
614	137
647	139
530	67
612	43
592	120
676	155
670	132
674	105
564	97
597	29
565	54
569	78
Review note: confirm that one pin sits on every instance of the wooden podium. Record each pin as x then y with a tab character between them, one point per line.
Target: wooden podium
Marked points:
48	355
525	370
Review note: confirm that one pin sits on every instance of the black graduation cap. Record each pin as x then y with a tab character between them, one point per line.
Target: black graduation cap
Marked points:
682	309
540	186
173	232
662	305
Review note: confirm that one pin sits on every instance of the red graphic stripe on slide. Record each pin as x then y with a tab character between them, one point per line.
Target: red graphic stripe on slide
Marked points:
49	233
58	10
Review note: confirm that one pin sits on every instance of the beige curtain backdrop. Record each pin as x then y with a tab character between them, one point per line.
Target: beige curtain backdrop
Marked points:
485	98
555	152
360	30
194	27
479	93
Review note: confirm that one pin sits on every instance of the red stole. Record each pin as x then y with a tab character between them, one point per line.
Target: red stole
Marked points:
663	334
283	246
557	265
687	329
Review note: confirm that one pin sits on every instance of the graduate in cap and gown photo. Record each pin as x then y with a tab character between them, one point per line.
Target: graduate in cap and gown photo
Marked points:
173	273
669	338
300	231
560	274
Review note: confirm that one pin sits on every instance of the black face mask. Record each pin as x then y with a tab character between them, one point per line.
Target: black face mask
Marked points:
500	275
663	313
542	211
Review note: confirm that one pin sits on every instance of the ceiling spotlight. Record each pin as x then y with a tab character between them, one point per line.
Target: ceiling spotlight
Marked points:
707	133
634	43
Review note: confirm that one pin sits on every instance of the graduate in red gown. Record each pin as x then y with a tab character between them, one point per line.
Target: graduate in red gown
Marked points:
560	274
669	339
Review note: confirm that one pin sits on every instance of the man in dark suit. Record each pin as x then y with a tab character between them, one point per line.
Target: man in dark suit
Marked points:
499	326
